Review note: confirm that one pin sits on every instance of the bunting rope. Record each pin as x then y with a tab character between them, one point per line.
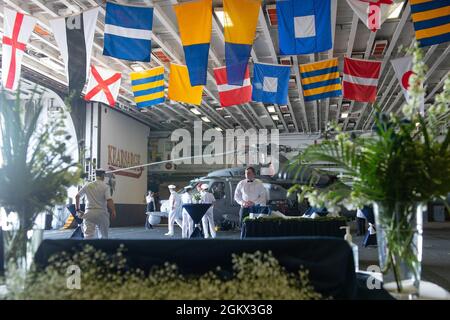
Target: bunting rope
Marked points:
166	161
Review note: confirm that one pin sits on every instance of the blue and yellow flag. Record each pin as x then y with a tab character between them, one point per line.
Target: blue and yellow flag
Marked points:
194	23
180	88
240	21
431	20
320	80
148	87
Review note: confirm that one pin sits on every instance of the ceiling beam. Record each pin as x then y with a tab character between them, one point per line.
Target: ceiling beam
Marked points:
300	93
334	5
437	87
351	42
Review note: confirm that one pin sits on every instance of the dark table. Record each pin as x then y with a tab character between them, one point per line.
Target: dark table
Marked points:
254	228
196	211
329	260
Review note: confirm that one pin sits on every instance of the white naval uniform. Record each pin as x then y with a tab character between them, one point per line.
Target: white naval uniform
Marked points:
175	210
96	217
208	218
188	224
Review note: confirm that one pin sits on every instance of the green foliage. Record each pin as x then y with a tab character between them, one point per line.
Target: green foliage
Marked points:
197	197
255	276
36	170
404	160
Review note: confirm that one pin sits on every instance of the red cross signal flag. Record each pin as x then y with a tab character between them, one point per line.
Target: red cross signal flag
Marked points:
17	31
103	85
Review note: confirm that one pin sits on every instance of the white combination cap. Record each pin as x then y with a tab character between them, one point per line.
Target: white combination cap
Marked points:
171	186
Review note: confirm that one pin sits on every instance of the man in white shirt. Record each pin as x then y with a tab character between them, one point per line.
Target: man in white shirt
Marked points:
208	219
98	201
175	206
249	192
188	223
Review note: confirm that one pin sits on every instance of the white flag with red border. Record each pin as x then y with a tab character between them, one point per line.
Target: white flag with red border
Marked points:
231	95
361	79
17	31
372	12
403	71
103	85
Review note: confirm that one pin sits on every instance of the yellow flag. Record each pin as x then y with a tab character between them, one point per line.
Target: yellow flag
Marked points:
240	20
194	21
180	88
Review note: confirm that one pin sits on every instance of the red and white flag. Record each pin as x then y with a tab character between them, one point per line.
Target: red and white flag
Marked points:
232	95
373	12
361	79
403	71
17	31
103	85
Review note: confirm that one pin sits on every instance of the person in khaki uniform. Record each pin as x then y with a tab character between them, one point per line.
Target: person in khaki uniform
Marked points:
98	201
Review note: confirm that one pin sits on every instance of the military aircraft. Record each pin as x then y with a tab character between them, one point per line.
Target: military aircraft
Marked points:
222	184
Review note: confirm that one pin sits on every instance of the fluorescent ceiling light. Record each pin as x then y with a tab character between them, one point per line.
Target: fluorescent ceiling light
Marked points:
396	9
137	68
275	117
227	116
218	129
206	119
223	18
271	109
195	111
344	115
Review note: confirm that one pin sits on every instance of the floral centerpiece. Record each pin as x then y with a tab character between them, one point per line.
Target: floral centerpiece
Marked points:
197	197
402	164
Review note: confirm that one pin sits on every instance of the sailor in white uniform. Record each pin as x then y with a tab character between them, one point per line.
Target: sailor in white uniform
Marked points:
188	223
208	219
175	206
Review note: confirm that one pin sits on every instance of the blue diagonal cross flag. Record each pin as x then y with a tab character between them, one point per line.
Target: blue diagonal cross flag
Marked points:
304	26
270	83
128	32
